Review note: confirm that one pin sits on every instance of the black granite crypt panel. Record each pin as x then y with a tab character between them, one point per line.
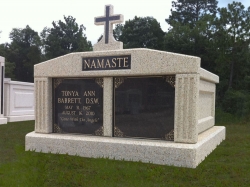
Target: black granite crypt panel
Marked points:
144	107
78	106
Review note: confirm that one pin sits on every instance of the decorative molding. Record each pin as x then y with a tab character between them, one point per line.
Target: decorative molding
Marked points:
118	132
170	136
57	82
99	81
57	129
170	79
99	131
119	81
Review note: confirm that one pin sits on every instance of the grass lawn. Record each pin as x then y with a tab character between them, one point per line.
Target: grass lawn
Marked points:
227	165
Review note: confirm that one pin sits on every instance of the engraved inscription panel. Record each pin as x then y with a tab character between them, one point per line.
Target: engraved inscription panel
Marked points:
144	108
106	63
78	106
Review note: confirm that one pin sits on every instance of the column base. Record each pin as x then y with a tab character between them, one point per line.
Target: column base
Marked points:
3	121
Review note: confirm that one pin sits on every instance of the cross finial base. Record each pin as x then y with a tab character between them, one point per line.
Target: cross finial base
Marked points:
112	45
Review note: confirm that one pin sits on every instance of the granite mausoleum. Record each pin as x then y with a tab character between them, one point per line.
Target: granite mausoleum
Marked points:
134	104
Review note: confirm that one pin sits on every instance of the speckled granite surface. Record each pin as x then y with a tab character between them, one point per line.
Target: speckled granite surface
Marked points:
143	62
148	151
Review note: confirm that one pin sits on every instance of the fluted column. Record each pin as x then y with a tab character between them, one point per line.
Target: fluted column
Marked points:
43	108
186	101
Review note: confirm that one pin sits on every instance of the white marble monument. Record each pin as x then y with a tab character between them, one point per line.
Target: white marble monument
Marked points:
134	104
16	98
19	101
3	120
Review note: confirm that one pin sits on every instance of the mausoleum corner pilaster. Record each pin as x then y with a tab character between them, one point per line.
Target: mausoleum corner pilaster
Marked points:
43	112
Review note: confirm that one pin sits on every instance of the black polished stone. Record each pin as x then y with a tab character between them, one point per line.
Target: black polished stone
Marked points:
144	107
77	106
106	63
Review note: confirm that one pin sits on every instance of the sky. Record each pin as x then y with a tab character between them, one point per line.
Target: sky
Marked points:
41	13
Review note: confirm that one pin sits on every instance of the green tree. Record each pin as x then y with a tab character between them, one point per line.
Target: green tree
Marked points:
2	50
63	38
9	67
117	32
232	41
188	12
22	53
191	29
142	32
9	70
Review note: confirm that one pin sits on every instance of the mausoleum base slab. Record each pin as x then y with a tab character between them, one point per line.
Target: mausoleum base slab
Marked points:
20	118
144	150
3	121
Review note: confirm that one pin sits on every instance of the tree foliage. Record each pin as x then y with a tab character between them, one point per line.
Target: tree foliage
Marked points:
9	70
237	102
22	53
27	48
191	29
64	37
191	11
232	39
144	32
221	37
117	32
9	67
